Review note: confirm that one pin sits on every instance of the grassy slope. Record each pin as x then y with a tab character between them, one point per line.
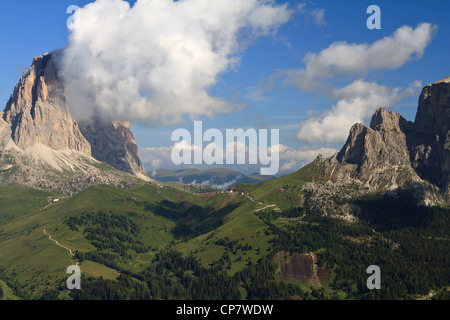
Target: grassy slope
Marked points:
7	293
163	213
18	201
243	226
217	218
36	263
22	249
285	191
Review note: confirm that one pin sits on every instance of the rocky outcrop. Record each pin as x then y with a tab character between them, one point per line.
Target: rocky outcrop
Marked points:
395	153
301	268
38	115
381	145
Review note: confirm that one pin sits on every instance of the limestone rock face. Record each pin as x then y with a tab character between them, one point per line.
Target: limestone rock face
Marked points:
37	114
430	152
380	145
114	144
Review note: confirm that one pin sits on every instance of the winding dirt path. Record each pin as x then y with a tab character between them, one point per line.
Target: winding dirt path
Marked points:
3	285
269	206
259	202
56	241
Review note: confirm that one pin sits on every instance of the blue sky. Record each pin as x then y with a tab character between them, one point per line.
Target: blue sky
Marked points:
260	82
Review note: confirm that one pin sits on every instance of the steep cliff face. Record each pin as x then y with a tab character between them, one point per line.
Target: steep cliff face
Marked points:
114	144
430	152
38	116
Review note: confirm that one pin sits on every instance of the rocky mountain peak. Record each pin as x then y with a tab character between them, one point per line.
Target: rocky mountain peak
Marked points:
38	115
445	80
433	113
421	150
384	121
383	143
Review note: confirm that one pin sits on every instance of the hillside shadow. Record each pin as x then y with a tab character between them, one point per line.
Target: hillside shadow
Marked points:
190	221
400	211
166	209
198	220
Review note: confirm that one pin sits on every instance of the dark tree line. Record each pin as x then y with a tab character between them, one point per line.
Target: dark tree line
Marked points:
410	245
109	231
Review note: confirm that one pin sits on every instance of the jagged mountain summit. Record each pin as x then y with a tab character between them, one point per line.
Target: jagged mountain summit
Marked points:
395	153
37	131
37	113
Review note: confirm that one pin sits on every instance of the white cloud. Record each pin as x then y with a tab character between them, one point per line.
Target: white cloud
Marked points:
254	95
357	102
319	17
289	159
222	186
157	60
156	163
342	58
155	157
316	15
293	159
289	166
301	7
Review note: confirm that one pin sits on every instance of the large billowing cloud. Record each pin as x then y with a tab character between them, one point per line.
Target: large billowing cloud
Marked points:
156	61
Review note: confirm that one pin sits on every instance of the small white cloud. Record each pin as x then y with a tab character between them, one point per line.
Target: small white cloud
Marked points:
357	103
221	186
319	17
155	157
301	7
289	166
316	15
156	164
342	58
293	159
254	95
